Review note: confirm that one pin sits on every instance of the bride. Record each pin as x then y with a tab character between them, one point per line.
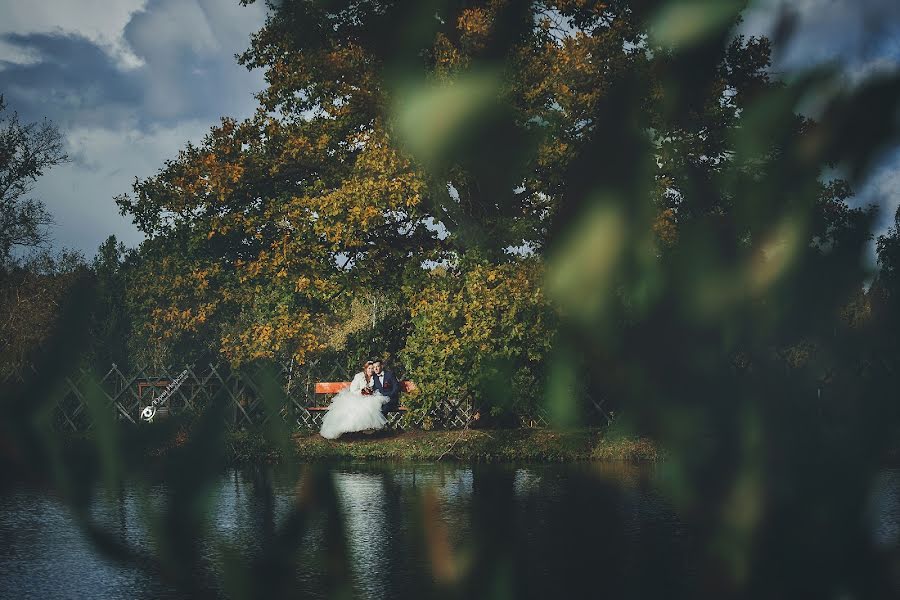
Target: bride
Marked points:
356	408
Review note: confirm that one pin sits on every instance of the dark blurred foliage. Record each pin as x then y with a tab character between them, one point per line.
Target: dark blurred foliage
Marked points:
736	335
33	280
27	150
111	321
384	342
708	273
32	291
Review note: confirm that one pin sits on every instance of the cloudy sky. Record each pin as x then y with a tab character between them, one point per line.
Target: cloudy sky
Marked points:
862	38
129	82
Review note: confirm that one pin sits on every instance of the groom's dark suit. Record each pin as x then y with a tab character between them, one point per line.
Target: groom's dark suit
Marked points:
387	384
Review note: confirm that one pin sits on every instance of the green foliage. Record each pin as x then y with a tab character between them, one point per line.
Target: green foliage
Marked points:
27	150
32	294
480	446
888	278
481	333
168	303
33	281
111	321
374	323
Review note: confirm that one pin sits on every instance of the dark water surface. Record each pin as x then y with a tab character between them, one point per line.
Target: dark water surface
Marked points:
517	531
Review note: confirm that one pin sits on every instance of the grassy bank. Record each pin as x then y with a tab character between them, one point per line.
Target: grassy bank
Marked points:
497	445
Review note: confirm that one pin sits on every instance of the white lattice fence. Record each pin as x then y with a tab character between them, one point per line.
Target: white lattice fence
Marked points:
126	394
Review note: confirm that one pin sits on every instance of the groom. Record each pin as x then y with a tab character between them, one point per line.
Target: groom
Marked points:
384	381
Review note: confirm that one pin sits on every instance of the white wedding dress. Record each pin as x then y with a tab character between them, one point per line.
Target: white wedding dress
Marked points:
351	410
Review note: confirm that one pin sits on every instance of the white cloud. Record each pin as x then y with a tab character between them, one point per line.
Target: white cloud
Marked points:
17	54
846	32
862	39
129	83
883	189
101	21
171	29
80	195
185	44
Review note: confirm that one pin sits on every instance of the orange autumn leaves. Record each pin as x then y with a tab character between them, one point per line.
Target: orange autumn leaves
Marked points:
259	271
266	223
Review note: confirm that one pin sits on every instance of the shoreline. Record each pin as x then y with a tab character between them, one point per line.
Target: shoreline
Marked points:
538	445
468	445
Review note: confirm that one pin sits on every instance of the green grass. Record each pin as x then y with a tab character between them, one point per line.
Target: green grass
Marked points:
474	445
627	449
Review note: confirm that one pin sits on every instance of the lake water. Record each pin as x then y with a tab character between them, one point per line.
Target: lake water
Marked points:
409	531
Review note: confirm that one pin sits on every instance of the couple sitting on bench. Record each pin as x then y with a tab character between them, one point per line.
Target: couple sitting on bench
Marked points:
372	394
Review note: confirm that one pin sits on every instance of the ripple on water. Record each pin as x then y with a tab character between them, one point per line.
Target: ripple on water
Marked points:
558	527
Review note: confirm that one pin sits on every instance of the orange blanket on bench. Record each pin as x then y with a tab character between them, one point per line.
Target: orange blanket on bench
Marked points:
333	387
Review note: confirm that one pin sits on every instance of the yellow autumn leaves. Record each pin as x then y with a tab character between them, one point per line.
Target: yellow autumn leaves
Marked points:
468	321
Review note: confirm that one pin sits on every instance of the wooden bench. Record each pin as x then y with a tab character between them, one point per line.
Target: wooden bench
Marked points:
333	387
